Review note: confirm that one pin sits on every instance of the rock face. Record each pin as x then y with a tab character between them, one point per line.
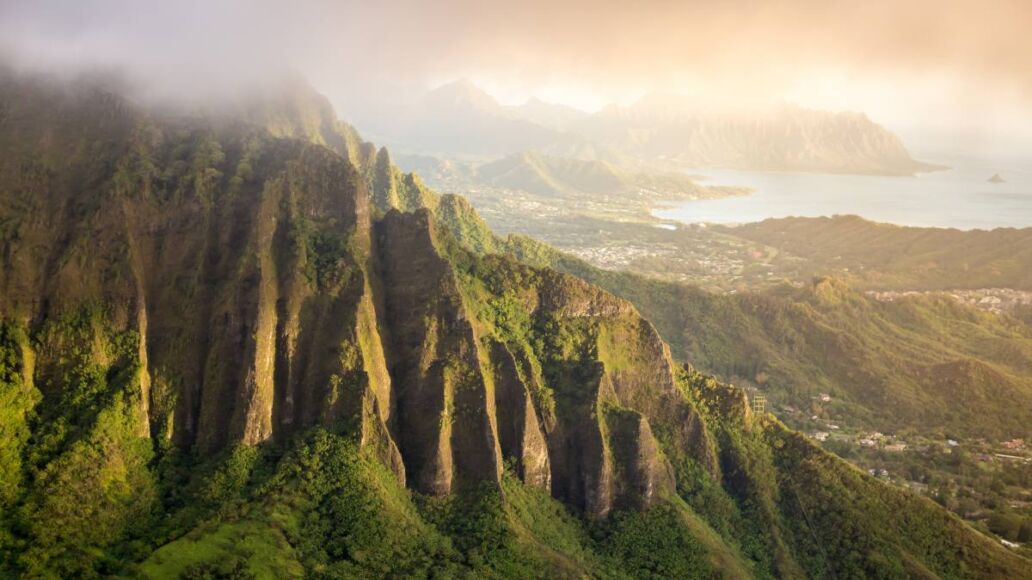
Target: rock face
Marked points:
264	296
476	387
267	299
447	422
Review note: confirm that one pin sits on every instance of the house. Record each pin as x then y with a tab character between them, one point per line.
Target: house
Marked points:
824	397
820	435
1013	444
866	442
896	447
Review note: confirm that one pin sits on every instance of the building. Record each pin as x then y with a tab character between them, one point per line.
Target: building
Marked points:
1013	444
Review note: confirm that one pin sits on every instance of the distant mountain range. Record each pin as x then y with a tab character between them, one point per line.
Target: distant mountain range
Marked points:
459	119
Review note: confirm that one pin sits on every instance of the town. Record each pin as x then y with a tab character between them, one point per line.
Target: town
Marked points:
985	482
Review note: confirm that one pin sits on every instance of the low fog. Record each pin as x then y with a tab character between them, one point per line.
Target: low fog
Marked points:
924	68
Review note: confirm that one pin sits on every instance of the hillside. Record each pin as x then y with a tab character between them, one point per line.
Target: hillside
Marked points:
889	257
555	177
890	365
923	363
225	352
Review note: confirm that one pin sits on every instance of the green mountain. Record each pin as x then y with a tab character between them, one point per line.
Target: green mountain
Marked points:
886	257
921	362
560	176
927	364
226	351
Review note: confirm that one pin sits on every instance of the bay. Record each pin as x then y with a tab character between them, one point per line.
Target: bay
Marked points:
959	197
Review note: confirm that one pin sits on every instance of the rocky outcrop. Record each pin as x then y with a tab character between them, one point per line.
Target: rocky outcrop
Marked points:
520	433
268	299
471	395
446	422
170	281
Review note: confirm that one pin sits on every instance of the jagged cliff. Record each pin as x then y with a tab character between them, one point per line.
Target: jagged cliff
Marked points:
782	138
245	339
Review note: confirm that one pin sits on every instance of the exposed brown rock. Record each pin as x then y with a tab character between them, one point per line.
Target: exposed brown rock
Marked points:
645	477
445	425
519	430
266	303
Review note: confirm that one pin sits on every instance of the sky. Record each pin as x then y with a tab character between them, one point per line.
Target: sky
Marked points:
921	67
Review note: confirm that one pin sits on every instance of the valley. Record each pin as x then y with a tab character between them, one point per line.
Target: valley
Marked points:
542	290
719	289
239	345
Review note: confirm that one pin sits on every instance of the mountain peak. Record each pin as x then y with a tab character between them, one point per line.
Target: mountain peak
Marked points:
462	93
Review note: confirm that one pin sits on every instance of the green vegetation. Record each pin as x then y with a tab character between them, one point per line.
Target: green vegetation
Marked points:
887	364
85	482
571	178
888	257
18	397
221	364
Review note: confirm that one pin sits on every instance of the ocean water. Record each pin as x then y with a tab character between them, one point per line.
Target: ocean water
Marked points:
960	197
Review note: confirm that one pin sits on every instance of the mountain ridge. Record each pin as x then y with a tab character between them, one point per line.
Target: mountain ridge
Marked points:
459	119
545	175
228	351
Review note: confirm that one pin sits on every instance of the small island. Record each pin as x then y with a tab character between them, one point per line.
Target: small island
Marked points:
996	179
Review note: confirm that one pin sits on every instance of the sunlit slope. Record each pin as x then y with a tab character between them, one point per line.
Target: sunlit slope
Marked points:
227	350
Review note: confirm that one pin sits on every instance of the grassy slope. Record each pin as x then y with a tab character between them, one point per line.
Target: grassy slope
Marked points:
556	176
845	524
906	363
906	258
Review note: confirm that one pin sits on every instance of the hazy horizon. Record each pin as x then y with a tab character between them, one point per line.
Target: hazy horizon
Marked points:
924	69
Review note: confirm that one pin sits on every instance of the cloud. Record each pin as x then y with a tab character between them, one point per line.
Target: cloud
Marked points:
744	47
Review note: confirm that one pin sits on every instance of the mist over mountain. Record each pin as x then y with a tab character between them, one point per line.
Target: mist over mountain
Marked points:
459	119
279	298
241	342
551	115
